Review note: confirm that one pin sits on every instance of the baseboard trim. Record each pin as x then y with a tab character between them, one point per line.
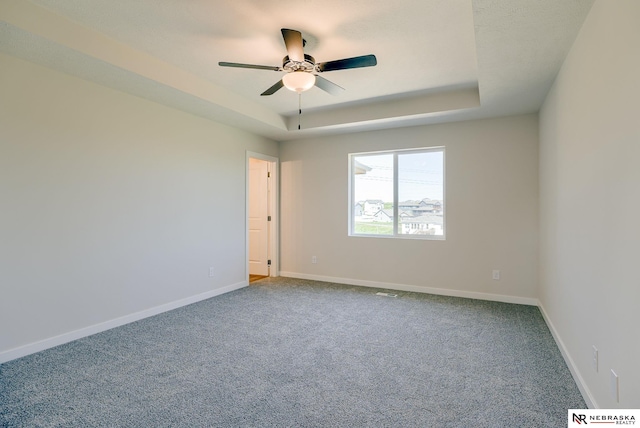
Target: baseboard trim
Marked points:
51	342
577	377
418	289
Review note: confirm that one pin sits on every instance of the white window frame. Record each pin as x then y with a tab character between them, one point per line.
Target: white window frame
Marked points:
396	235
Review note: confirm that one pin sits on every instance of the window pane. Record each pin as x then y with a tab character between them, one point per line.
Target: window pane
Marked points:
373	194
421	193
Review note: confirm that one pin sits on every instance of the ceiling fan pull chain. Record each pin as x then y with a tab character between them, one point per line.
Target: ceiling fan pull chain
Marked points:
299	108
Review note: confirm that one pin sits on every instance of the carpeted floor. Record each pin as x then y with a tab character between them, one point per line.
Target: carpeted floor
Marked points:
287	352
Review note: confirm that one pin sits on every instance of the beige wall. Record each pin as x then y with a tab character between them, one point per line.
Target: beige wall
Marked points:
491	204
110	204
590	204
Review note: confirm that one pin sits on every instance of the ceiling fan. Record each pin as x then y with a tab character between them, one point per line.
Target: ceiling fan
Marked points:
301	69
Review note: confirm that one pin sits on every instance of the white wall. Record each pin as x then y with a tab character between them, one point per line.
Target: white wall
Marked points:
109	205
590	203
491	205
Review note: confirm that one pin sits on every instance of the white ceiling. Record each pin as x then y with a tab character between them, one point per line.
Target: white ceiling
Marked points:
438	60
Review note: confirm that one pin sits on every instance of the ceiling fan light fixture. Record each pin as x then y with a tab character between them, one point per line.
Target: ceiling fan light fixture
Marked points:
299	81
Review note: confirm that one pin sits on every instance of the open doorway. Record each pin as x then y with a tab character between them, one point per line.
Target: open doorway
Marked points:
261	212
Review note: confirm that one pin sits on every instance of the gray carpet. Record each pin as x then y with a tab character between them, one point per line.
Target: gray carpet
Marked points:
286	352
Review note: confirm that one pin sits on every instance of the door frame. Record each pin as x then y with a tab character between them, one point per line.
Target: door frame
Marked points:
274	208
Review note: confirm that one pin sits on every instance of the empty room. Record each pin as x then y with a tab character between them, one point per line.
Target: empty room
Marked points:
319	213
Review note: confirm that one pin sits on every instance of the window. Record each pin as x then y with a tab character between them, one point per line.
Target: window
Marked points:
397	194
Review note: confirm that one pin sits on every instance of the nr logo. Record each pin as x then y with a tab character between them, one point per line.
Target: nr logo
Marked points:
580	419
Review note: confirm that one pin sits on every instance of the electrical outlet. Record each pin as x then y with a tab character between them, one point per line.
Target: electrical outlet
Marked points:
615	386
212	272
594	358
314	259
496	275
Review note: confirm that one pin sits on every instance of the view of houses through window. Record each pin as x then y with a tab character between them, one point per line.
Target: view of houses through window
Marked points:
398	193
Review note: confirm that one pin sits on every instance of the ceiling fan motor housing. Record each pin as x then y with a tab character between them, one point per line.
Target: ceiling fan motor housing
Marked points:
308	65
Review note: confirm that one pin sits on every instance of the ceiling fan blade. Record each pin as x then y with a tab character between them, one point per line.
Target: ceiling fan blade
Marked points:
259	67
328	86
343	64
272	90
293	42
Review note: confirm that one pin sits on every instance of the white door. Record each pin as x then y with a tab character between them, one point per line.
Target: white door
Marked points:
258	214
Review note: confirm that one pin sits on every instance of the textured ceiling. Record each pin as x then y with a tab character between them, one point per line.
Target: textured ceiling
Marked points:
438	60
